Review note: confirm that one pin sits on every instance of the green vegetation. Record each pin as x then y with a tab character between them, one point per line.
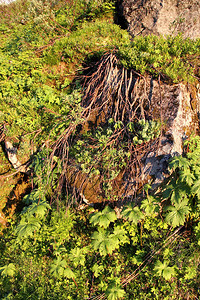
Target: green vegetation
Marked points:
173	57
76	254
51	248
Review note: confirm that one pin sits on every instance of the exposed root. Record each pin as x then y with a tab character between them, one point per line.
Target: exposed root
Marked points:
111	92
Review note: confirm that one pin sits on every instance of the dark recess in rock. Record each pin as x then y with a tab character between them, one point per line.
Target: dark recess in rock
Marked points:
119	17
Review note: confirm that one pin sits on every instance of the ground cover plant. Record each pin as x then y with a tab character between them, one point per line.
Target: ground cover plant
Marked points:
51	248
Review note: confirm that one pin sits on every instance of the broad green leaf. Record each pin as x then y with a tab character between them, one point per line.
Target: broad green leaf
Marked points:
114	292
167	192
27	227
187	176
163	270
132	213
120	234
168	272
179	162
8	270
58	266
68	273
105	242
196	188
149	205
39	209
177	213
180	191
34	196
190	272
103	218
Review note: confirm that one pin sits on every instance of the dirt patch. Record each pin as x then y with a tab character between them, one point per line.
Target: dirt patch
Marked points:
13	187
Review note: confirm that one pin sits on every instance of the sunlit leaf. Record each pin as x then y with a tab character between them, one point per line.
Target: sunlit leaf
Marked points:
114	292
77	256
68	273
104	218
8	270
58	266
39	209
27	227
132	213
162	269
105	242
178	213
97	269
149	205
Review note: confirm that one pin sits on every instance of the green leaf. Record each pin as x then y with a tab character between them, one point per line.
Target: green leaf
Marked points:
196	188
177	213
8	270
178	193
150	206
132	213
163	270
59	269
167	192
104	217
68	273
97	269
39	209
114	292
27	228
77	256
179	162
105	242
187	176
120	234
190	272
168	272
147	187
58	266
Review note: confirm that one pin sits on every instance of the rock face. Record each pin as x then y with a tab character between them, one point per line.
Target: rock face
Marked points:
180	120
165	17
173	105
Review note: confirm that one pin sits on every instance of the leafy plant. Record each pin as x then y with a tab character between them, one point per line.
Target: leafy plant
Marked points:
164	270
45	47
27	227
107	242
103	218
177	213
59	269
132	213
8	270
114	292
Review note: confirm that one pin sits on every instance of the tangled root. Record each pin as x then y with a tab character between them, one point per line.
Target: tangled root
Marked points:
111	91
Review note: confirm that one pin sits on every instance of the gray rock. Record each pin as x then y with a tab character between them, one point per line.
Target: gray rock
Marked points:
180	121
164	17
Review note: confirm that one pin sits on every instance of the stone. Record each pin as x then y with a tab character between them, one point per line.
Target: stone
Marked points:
12	156
180	121
160	17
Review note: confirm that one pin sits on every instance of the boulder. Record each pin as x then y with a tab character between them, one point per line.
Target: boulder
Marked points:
160	17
